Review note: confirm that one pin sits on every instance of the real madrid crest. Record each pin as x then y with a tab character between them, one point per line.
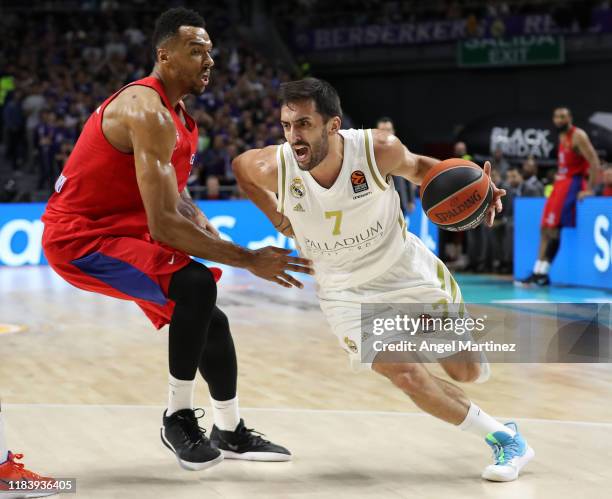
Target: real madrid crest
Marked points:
297	188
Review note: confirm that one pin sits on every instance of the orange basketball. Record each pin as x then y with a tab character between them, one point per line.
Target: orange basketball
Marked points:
456	194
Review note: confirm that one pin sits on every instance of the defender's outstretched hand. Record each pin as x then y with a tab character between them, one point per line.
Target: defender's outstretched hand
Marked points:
272	264
496	204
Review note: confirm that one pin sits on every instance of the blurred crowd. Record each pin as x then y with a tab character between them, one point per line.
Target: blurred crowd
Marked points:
302	14
56	68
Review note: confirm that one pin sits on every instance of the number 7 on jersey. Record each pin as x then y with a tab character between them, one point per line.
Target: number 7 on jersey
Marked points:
338	220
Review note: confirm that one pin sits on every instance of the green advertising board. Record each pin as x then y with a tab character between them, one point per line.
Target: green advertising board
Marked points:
515	51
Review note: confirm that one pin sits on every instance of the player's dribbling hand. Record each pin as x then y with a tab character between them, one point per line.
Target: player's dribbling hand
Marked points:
496	204
272	264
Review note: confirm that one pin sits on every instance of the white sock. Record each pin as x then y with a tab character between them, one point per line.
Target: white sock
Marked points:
180	394
3	449
225	413
544	267
481	424
537	266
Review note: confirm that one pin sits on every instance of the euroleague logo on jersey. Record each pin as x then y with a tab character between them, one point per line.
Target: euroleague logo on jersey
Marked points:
359	182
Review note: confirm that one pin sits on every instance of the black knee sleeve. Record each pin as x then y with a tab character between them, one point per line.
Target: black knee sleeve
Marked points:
551	249
194	291
194	282
218	364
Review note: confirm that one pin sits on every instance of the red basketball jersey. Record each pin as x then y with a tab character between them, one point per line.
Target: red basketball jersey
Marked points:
570	162
97	193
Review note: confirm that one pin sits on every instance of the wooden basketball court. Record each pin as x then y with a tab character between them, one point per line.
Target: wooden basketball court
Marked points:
83	381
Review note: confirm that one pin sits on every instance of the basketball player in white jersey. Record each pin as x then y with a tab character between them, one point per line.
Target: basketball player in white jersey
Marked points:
330	189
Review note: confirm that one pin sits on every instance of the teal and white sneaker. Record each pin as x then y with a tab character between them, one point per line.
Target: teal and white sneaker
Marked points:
511	454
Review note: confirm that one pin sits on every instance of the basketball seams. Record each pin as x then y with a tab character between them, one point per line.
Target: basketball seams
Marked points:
479	179
468	186
472	220
429	181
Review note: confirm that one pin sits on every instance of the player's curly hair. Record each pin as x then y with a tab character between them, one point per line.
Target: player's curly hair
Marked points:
169	22
325	97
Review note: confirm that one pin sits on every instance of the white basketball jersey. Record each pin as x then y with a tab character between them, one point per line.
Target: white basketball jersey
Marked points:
353	231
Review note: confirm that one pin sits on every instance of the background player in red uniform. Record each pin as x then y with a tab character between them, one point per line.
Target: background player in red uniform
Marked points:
577	160
121	223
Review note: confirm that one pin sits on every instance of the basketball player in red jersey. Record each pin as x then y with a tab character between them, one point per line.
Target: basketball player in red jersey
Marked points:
121	223
577	160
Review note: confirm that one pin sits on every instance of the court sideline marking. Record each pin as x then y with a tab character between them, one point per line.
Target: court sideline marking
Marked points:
304	410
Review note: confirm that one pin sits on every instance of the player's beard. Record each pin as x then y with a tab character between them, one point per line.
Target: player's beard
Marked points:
318	151
562	128
196	91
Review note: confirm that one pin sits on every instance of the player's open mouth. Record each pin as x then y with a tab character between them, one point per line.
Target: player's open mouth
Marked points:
301	153
205	78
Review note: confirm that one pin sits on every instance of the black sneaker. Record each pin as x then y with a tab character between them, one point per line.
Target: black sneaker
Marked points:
542	280
183	436
246	443
534	279
529	281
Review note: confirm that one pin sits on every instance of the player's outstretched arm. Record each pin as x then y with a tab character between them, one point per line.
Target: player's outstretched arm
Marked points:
394	158
257	175
152	134
192	211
